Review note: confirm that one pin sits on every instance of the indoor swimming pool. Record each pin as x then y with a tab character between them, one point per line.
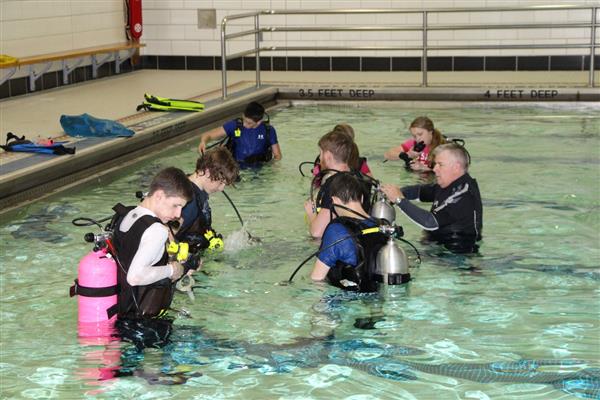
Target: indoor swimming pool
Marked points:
518	321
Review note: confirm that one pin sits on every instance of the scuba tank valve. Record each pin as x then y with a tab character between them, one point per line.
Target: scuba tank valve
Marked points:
382	209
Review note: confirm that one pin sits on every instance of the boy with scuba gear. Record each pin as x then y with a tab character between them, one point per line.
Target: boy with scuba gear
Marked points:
215	169
351	241
145	275
416	152
251	139
337	153
455	218
362	166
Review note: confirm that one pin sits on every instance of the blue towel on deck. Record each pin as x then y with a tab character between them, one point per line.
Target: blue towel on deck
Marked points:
87	126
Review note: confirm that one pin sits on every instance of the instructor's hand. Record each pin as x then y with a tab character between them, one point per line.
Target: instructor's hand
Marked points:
392	192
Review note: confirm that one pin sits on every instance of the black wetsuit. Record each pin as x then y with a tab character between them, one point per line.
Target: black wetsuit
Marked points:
197	215
456	216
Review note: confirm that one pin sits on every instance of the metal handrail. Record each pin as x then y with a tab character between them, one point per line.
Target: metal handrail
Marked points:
425	47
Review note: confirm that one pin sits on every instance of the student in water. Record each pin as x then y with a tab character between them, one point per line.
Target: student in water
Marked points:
251	138
215	169
416	152
362	166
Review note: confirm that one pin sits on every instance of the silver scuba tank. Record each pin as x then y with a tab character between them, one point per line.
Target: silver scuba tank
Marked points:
392	264
383	210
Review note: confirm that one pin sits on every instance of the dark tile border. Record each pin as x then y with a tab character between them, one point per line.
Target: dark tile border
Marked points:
316	63
533	63
499	63
406	63
279	64
566	63
5	90
468	63
20	86
294	64
50	80
374	64
171	62
345	64
200	63
439	64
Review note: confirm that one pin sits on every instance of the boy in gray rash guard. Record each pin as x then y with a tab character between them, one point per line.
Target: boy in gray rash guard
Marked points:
455	218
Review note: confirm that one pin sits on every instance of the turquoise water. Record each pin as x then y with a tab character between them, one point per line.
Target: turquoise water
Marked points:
460	329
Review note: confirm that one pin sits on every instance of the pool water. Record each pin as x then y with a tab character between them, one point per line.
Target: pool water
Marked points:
518	321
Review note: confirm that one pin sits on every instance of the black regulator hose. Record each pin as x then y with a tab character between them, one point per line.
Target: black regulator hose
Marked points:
234	207
303	163
239	217
414	248
217	143
84	221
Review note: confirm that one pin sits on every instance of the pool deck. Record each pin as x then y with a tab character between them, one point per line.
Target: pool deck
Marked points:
25	177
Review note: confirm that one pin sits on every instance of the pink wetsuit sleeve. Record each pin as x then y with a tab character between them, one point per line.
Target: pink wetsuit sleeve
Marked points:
406	146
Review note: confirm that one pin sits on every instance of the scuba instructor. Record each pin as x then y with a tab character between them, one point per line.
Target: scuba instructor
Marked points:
455	219
251	139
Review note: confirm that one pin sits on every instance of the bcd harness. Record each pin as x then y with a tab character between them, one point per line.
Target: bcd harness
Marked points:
155	103
138	301
368	241
230	143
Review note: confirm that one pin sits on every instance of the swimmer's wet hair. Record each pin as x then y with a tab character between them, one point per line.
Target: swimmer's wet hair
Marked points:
220	164
342	147
173	182
255	111
346	187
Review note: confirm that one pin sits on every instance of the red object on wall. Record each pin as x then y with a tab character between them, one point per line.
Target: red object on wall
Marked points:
135	19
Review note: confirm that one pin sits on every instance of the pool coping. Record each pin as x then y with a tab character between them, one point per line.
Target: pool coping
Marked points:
36	176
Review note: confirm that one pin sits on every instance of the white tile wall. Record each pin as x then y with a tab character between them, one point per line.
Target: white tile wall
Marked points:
187	16
186	47
32	27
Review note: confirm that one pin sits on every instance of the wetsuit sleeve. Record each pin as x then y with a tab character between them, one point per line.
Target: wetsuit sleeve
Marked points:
150	251
230	127
344	251
406	146
423	218
425	193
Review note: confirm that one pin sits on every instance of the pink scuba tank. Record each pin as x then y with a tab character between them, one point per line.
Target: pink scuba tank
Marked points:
96	288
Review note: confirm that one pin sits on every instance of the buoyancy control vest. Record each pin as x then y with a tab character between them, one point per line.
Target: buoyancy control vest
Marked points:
367	247
144	300
155	103
324	198
232	142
